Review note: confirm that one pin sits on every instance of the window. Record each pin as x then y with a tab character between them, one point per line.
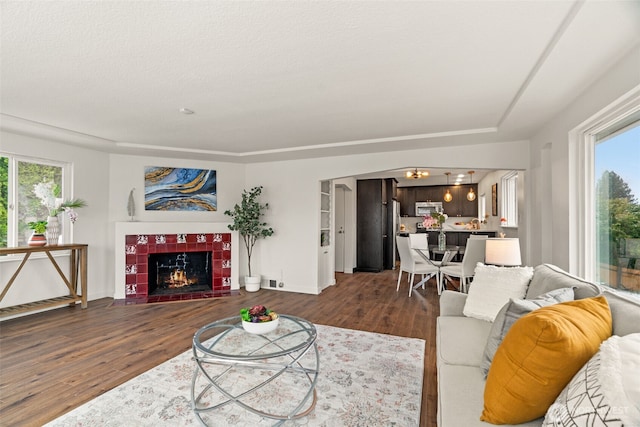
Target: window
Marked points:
509	204
603	190
19	204
617	208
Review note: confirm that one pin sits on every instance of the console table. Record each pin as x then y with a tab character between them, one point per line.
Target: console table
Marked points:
77	270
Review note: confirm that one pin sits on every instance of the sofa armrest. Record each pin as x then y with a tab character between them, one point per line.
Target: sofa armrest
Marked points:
452	303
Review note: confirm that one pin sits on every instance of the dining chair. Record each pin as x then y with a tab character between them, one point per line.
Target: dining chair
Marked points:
419	241
465	270
412	266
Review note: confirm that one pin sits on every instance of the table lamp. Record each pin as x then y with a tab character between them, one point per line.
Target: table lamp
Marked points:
504	252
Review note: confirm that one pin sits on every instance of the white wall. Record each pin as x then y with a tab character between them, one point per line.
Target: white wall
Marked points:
127	172
549	183
38	279
291	187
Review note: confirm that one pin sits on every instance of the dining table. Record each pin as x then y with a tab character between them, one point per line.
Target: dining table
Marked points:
436	254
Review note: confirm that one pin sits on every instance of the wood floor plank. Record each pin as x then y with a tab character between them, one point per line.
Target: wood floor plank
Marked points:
54	361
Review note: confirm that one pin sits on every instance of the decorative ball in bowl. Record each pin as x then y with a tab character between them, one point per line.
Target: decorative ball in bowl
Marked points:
259	319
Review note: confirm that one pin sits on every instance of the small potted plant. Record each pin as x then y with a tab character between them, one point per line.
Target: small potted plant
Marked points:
247	220
37	237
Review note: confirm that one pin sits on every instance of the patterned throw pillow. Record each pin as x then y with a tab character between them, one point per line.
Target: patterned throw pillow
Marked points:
605	392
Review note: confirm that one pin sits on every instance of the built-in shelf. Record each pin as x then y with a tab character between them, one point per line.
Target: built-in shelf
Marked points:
325	213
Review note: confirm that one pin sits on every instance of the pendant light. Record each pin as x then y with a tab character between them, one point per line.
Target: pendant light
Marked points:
471	196
447	196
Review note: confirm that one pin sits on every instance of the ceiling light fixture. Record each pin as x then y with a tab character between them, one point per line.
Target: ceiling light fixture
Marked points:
415	174
447	196
186	111
471	196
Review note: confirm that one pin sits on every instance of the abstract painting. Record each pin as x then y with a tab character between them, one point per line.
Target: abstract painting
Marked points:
179	189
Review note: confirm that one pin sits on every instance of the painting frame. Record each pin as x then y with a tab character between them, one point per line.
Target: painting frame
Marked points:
494	199
180	189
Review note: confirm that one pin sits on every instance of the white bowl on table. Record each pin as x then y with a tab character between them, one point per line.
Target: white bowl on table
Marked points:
260	327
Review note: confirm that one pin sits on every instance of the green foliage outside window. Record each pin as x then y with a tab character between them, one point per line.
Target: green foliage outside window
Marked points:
4	198
28	207
617	217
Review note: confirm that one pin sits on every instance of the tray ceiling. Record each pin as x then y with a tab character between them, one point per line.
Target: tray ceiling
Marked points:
282	80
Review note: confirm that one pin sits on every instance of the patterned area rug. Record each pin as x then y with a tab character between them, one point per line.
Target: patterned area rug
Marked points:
365	379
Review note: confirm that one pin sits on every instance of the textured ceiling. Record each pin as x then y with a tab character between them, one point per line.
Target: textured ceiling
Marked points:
293	79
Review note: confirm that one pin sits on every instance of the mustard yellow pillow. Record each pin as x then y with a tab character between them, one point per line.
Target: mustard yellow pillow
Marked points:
539	355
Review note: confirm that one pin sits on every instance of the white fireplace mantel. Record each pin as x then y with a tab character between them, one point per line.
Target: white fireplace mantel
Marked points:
128	228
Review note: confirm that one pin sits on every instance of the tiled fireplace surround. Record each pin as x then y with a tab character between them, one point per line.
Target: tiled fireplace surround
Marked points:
135	241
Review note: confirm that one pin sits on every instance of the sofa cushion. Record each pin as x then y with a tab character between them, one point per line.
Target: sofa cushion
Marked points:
460	397
547	277
492	288
460	340
606	390
452	303
540	354
512	311
625	312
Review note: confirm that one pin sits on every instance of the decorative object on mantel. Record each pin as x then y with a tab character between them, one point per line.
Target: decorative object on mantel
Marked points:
37	238
247	221
131	205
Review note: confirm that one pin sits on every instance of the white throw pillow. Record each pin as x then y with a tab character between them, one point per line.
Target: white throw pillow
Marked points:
493	287
605	392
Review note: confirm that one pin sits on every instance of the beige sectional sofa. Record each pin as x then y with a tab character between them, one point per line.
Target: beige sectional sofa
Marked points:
461	342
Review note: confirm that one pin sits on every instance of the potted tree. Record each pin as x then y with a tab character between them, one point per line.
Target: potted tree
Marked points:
247	221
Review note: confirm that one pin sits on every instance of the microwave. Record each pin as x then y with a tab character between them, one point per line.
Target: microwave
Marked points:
427	208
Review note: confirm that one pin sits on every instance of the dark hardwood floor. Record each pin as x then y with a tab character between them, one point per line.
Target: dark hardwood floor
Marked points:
55	361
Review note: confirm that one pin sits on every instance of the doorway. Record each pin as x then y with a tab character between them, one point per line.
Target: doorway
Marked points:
344	218
339	237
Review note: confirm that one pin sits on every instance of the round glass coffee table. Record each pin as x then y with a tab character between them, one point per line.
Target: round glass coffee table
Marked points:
272	375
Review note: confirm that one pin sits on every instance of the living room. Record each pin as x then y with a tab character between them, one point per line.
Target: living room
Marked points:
565	74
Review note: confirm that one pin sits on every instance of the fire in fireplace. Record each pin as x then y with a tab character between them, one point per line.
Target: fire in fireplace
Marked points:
180	272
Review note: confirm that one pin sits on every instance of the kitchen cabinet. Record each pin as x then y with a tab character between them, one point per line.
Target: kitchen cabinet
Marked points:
458	207
428	194
407	199
457	238
375	232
